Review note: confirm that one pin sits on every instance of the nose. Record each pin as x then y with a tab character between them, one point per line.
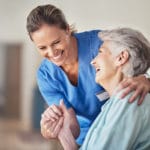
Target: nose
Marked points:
50	52
93	62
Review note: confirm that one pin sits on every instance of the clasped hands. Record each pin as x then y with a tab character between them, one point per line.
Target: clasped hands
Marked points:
58	120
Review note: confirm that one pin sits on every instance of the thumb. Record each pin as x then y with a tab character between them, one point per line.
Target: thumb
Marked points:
62	106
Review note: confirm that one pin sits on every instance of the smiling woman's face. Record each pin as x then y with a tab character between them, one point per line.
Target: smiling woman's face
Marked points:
52	43
104	63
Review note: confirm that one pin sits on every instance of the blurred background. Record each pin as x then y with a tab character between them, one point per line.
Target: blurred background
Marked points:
21	104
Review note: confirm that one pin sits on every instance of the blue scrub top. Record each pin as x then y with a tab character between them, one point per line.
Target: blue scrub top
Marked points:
55	85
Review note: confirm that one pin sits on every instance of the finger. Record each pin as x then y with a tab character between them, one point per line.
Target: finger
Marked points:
57	110
44	132
62	105
122	85
135	95
47	129
50	130
140	92
125	83
58	127
52	114
142	98
126	91
51	125
43	122
44	116
47	116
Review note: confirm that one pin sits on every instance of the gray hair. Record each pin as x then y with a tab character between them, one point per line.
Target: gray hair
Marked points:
135	43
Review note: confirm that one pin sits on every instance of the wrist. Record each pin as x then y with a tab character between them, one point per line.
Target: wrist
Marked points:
67	140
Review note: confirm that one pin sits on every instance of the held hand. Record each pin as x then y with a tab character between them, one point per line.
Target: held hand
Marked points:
53	113
51	122
70	120
69	130
140	84
67	139
50	129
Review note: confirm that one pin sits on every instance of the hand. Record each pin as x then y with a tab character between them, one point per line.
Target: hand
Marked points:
140	84
53	113
51	122
50	129
70	120
69	130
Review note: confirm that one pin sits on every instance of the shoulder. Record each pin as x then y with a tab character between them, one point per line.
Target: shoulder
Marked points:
90	39
123	104
87	34
46	69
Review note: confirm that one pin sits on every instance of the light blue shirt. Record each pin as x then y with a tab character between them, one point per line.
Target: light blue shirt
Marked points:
55	85
120	126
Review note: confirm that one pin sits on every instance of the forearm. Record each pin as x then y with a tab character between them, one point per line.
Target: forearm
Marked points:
74	126
67	140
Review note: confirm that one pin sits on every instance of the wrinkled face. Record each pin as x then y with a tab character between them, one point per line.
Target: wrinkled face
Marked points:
52	43
104	63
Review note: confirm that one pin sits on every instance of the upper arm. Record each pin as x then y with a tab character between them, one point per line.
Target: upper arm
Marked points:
50	89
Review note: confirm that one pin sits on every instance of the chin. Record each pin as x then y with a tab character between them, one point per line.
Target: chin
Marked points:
99	80
58	63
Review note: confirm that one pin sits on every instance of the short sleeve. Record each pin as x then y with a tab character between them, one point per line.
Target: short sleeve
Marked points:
49	89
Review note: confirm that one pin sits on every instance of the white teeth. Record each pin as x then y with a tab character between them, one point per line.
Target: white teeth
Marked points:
57	57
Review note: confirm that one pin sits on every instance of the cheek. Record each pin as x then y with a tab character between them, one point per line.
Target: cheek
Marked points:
67	42
62	46
41	53
107	66
110	69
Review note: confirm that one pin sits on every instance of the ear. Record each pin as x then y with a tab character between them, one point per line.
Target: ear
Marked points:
68	30
122	58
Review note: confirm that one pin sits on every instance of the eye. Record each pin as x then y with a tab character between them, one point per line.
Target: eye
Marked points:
56	42
100	51
42	48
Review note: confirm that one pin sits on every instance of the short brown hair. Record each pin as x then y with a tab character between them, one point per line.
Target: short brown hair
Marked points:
45	14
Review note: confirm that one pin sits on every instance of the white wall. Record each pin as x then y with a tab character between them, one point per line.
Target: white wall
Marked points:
85	14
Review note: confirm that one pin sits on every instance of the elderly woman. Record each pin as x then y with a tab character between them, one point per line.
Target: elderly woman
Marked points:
120	125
